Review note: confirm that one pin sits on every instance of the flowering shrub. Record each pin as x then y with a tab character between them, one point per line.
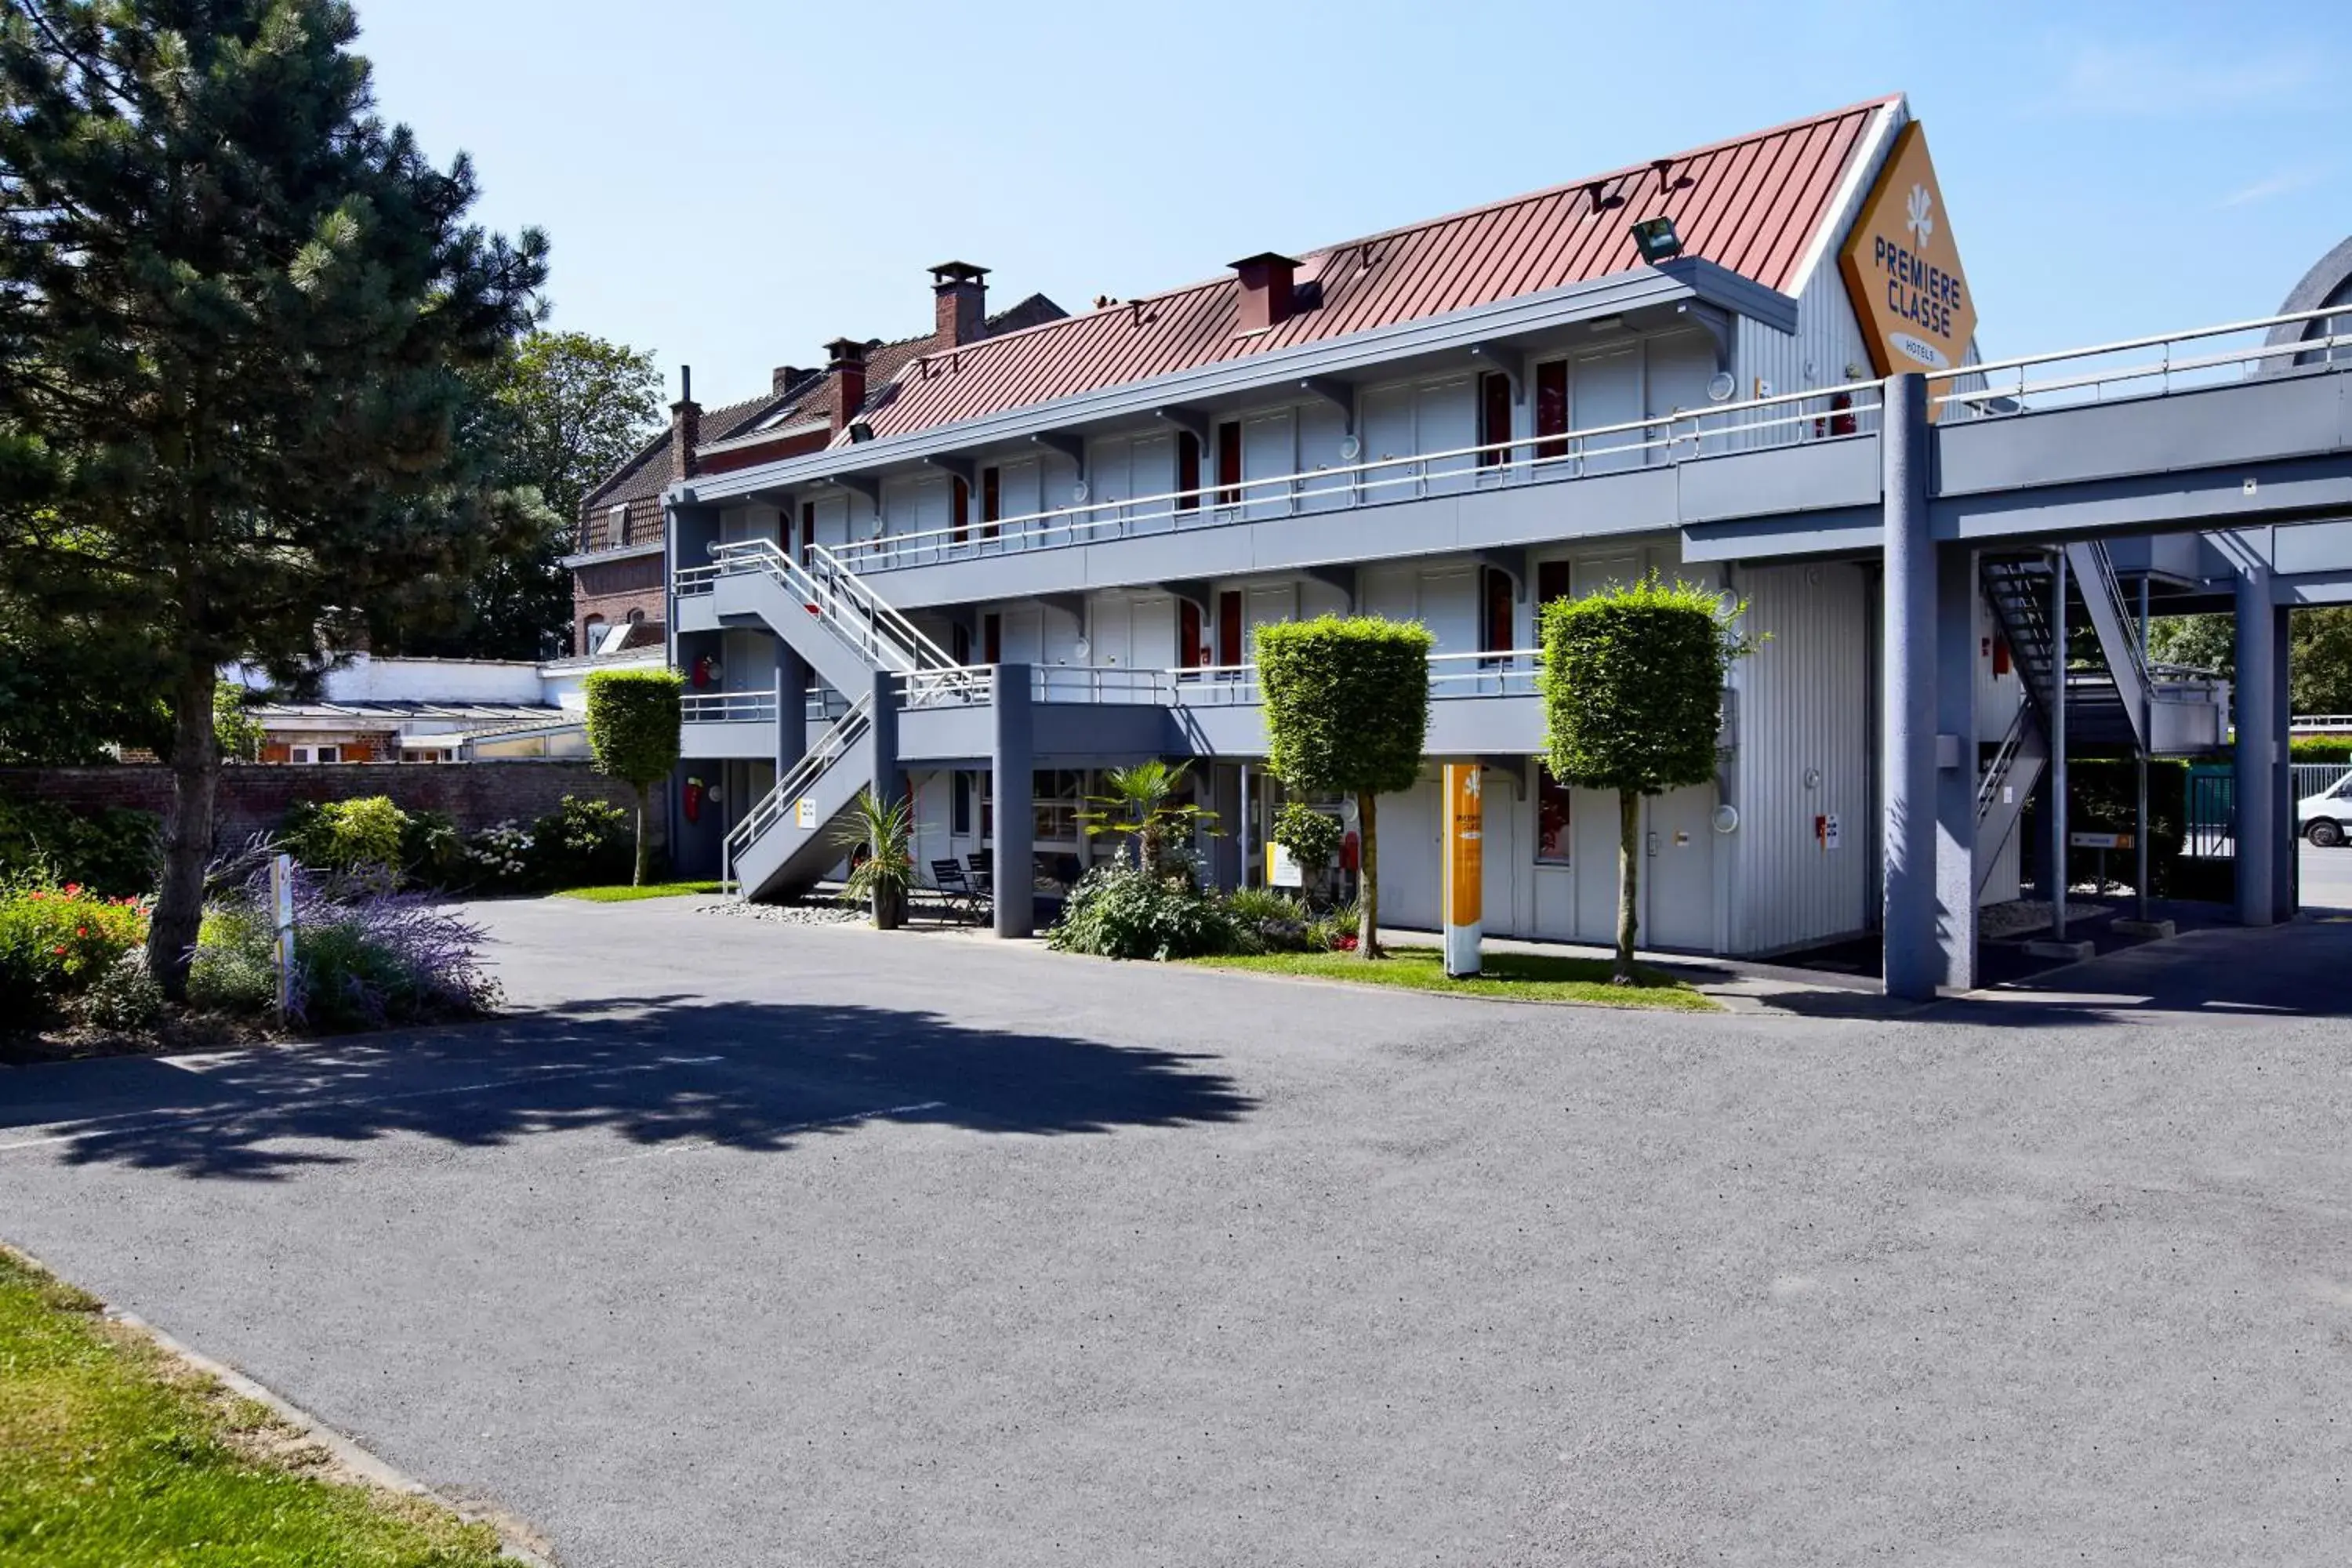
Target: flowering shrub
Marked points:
579	843
1117	912
54	943
346	835
362	959
499	856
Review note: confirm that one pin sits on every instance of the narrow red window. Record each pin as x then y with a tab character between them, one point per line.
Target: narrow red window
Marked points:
991	637
1191	648
1229	629
1228	462
959	509
1188	476
1551	582
1493	417
808	529
1495	631
992	503
1551	408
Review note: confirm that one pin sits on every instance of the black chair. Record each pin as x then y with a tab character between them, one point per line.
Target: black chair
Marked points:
983	871
962	895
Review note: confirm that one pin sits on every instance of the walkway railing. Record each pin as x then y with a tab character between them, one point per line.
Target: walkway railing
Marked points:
1515	672
728	706
769	808
2143	367
1827	412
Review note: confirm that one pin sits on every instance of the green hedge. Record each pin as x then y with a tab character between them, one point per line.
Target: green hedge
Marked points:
2101	795
2320	748
112	851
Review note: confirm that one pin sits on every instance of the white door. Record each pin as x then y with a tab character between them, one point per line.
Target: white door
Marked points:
1269	450
1500	852
1679	866
1592	825
1680	366
1384	415
1447	420
1606	389
1410	826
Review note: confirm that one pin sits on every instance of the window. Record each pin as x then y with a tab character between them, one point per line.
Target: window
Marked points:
784	529
1191	648
992	501
1552	582
992	638
1229	629
959	804
616	527
1493	417
592	633
808	529
959	643
1496	631
960	508
1551	819
316	754
1551	408
1188	470
1228	462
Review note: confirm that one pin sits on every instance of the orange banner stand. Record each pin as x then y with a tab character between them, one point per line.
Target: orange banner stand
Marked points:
1465	868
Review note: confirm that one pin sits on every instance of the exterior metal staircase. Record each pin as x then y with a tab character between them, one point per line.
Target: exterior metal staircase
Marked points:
848	634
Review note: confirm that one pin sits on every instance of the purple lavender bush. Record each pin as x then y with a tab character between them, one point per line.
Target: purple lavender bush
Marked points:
366	955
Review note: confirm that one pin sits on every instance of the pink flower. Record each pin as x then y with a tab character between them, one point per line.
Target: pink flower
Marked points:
59	950
72	889
81	931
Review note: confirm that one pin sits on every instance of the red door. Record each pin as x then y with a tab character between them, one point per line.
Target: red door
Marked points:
1229	629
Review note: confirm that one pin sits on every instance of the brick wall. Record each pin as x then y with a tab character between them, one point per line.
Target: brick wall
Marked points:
611	589
255	798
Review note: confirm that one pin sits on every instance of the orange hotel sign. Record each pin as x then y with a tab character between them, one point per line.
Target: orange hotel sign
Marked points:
1903	270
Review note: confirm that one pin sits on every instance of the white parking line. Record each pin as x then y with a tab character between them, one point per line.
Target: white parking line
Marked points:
777	1131
96	1126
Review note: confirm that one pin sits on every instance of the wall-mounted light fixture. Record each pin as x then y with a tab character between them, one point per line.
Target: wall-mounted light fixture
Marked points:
1655	238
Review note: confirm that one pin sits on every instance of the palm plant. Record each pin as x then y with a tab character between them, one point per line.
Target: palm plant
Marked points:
884	873
1139	804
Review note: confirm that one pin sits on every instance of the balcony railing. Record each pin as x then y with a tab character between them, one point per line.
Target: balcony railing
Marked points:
1516	672
1828	413
2225	355
728	706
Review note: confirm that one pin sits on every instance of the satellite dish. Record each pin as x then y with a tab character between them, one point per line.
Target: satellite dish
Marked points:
1351	448
1078	492
1720	387
1727	818
1083	649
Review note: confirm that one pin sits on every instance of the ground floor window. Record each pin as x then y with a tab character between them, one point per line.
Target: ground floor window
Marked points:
317	754
1551	819
1058	795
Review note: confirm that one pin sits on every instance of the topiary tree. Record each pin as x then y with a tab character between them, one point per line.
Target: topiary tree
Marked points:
1632	689
633	729
1347	710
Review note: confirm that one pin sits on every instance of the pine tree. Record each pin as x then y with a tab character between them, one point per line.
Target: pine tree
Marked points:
237	312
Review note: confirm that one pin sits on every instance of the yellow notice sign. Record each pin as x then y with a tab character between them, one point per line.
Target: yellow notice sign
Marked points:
1466	866
1903	270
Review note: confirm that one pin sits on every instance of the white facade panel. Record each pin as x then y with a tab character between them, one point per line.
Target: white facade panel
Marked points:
1269	450
1805	731
1322	431
1604	387
1446	419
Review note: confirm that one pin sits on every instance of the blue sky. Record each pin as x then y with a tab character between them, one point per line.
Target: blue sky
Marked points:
731	183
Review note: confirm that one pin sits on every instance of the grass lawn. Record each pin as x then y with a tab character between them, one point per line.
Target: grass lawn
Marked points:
1514	976
113	1454
628	895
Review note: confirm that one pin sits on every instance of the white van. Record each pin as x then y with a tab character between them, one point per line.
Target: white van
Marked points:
2326	818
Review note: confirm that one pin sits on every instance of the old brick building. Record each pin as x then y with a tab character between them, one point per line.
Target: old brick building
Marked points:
617	570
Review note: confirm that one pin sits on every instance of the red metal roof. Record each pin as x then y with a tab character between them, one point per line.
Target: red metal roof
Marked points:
1749	205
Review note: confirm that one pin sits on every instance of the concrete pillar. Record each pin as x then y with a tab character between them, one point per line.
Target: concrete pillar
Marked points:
2056	820
889	779
2286	871
1012	838
2255	784
1955	765
1914	959
792	706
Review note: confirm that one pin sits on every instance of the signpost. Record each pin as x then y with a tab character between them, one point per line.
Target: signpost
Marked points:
2102	842
1466	868
281	906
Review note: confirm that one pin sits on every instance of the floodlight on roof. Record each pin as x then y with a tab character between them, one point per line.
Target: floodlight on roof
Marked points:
1656	239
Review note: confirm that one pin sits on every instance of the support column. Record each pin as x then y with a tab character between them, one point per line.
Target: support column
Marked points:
1955	765
2286	880
2253	786
1914	960
2057	819
1012	837
792	707
2139	817
889	780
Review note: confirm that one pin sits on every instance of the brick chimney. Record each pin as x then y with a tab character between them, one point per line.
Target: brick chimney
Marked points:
847	363
685	428
1266	282
780	379
960	290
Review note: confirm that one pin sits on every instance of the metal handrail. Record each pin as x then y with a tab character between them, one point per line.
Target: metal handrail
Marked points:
2122	610
2128	344
830	748
1686	433
726	707
2004	758
928	654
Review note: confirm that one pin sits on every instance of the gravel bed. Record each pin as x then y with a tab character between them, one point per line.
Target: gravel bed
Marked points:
786	914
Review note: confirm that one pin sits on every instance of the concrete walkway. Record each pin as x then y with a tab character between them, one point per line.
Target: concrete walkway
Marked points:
763	1244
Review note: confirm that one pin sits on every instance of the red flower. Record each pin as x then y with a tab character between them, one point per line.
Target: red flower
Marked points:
59	950
81	931
72	889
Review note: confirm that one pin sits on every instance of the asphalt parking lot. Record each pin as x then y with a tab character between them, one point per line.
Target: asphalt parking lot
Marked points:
764	1243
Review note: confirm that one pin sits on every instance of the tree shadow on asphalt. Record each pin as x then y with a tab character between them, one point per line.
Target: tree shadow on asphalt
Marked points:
657	1072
